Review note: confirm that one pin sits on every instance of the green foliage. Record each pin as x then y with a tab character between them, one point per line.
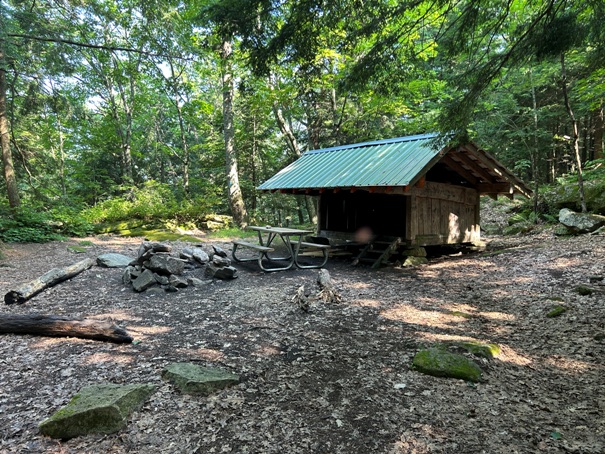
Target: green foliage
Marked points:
152	204
27	226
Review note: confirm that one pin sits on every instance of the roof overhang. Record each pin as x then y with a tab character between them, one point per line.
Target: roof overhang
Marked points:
392	167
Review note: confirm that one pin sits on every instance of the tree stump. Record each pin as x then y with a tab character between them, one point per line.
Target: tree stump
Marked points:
328	293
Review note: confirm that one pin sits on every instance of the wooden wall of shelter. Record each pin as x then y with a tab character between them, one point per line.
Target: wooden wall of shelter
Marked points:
429	213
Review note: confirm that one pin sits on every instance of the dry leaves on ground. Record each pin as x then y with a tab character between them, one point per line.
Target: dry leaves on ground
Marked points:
335	379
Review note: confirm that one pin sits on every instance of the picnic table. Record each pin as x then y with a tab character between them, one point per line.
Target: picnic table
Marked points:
269	237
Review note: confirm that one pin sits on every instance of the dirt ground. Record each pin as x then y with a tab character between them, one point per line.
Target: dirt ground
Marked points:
336	379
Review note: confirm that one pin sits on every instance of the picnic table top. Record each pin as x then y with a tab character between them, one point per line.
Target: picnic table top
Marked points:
279	230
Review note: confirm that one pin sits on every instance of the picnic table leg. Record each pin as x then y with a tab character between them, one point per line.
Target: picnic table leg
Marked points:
286	240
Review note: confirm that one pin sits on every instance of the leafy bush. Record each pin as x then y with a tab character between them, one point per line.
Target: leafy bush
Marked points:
27	225
154	203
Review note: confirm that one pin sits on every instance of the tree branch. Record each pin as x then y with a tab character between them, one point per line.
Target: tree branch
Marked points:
97	46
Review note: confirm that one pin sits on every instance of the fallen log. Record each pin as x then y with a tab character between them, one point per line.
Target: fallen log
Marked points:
60	326
25	291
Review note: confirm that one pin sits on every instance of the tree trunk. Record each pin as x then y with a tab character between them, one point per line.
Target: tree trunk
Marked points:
236	199
285	129
28	290
599	124
576	135
7	157
536	148
61	326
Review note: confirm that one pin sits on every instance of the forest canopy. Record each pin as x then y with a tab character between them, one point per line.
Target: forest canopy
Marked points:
173	110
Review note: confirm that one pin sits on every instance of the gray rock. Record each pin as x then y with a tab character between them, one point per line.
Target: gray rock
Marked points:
162	280
113	260
144	281
186	253
227	272
219	251
160	247
580	222
200	256
193	379
178	281
127	275
165	264
195	282
100	409
145	256
221	261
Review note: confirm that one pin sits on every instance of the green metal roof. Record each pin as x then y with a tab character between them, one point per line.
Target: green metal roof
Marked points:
391	162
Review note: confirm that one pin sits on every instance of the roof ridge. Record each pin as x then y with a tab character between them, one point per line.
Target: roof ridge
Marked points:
374	142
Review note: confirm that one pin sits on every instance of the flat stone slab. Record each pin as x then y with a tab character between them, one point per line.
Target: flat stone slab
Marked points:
100	409
113	260
441	363
193	379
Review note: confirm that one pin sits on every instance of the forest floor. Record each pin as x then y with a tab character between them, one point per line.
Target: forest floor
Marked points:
336	379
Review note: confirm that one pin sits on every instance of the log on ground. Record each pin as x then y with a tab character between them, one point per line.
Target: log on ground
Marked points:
25	291
61	326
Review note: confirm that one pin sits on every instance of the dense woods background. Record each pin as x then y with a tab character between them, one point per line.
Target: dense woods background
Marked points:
168	110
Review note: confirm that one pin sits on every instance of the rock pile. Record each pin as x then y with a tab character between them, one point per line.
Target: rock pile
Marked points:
156	266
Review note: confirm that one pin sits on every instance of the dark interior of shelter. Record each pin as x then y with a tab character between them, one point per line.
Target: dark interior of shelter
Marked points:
343	211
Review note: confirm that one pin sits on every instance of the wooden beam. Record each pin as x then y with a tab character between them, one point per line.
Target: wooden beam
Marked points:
474	166
495	188
460	169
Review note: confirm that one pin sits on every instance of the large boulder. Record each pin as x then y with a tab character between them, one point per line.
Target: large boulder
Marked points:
97	409
193	379
580	222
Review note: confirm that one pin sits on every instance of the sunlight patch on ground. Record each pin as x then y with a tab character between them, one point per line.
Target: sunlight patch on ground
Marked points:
368	302
510	355
208	354
412	315
497	316
98	358
360	285
267	350
116	315
568	364
143	332
434	337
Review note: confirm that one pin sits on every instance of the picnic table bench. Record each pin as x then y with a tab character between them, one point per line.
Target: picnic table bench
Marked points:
293	248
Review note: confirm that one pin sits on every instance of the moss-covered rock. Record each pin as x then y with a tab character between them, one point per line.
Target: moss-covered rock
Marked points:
194	379
96	409
584	290
415	261
557	310
441	363
480	349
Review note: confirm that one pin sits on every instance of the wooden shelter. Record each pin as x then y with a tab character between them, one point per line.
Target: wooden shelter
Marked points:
404	188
